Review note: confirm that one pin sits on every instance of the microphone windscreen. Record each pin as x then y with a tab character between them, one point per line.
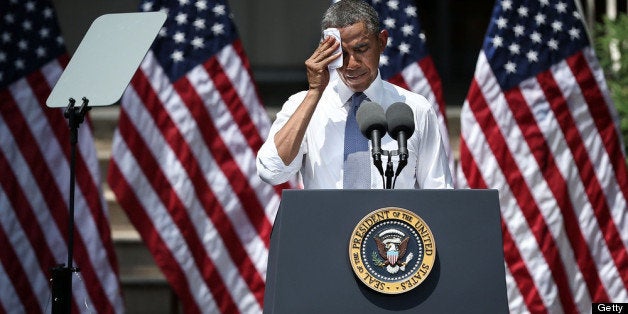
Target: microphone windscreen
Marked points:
371	117
400	118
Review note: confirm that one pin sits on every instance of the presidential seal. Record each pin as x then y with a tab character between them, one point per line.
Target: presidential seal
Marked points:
392	250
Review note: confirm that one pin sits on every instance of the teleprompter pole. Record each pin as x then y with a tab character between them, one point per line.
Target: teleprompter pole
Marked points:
62	274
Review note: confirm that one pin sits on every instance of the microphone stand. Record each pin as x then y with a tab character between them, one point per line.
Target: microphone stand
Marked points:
390	173
62	275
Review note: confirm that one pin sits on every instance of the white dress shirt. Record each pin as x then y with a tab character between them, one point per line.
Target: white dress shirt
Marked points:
320	157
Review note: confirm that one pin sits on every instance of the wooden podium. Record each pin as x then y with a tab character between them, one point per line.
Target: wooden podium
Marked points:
309	270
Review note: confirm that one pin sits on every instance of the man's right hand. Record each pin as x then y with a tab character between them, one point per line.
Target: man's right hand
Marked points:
317	64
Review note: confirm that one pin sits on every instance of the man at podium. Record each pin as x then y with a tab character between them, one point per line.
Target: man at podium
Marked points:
316	132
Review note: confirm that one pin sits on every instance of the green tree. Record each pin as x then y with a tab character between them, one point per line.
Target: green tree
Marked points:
611	45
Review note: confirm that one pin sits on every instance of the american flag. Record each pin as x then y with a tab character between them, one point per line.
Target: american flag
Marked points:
538	125
35	179
183	163
406	61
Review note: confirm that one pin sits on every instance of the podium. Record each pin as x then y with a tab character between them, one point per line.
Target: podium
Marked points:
309	270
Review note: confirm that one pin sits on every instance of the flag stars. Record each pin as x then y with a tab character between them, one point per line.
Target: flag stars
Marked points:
497	41
522	11
181	18
561	7
536	37
393	5
9	18
163	32
510	67
47	12
22	44
201	5
199	24
183	2
147	6
40	52
176	56
27	25
544	3
407	30
574	33
501	22
532	56
19	64
404	48
179	37
198	43
218	29
519	30
514	49
411	11
389	22
3	57
44	33
383	60
557	26
539	19
506	5
30	6
6	37
219	10
552	44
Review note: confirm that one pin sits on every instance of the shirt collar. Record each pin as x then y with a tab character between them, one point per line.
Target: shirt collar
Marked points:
373	92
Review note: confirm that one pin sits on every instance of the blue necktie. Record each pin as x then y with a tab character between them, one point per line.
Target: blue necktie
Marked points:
357	160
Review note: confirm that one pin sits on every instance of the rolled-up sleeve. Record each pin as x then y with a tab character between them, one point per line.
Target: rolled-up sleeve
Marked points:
270	167
434	170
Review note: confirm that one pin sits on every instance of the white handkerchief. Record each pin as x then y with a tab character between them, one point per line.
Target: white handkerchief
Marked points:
335	33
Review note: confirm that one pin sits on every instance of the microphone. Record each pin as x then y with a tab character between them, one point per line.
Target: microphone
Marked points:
372	122
400	127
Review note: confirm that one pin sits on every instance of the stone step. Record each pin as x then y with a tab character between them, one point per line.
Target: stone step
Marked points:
144	288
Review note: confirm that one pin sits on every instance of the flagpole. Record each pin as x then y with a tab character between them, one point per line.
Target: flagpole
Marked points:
62	275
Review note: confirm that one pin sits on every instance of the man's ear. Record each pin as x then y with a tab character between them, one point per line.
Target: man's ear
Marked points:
383	40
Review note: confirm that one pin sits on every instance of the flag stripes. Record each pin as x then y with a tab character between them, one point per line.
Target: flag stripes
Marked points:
20	279
187	225
171	253
184	156
209	202
422	78
605	125
35	151
554	180
215	127
512	256
524	197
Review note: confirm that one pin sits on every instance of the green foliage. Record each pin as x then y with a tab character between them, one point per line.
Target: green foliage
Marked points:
611	45
377	260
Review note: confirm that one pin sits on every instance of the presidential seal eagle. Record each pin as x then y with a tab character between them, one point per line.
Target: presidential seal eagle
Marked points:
391	247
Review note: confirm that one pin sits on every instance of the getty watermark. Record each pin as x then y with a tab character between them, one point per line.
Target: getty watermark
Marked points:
610	308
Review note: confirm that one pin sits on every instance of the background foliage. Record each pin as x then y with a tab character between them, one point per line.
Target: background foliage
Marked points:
611	44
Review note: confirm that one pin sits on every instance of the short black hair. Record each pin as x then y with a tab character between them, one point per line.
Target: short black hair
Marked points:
348	12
